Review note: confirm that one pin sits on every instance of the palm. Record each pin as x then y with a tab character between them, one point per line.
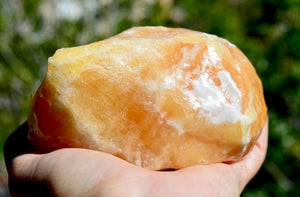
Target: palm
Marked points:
81	172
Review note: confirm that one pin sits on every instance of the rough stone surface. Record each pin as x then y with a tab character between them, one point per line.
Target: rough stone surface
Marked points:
157	97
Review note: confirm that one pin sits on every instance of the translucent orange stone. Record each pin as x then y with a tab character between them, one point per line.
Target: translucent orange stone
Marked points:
157	97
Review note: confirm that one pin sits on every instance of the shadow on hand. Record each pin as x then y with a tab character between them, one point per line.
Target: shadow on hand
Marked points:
16	145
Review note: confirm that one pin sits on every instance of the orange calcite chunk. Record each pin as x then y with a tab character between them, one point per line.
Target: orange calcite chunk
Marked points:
157	97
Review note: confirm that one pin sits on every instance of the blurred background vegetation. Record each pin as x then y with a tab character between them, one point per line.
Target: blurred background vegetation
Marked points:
266	31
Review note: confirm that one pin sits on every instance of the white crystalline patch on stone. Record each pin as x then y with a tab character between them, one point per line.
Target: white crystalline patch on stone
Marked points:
188	58
221	104
211	58
168	83
232	111
189	55
237	66
177	125
230	87
186	65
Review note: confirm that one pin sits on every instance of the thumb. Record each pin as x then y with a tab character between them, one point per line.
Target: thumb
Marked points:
251	163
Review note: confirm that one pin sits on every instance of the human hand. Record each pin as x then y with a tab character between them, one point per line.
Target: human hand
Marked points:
82	172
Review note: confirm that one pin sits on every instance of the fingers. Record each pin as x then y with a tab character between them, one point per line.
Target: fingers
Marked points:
65	170
17	144
251	163
75	172
25	180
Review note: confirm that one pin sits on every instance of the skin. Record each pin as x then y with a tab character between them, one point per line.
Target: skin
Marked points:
81	172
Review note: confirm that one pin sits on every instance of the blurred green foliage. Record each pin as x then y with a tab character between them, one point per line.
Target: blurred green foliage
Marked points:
266	31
